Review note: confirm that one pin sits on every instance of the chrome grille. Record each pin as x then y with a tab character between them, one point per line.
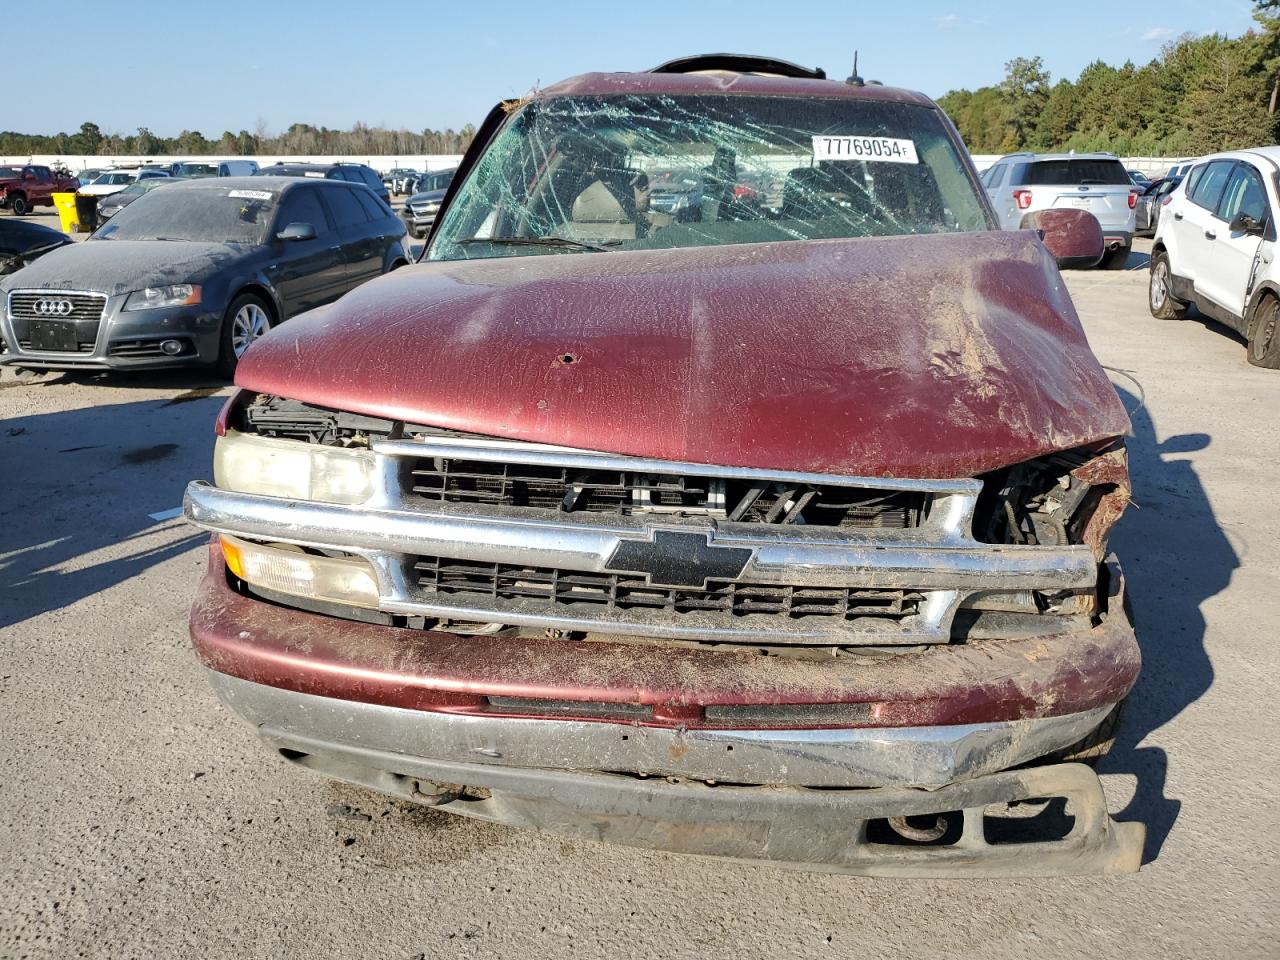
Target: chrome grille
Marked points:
621	592
473	529
569	490
78	310
85	307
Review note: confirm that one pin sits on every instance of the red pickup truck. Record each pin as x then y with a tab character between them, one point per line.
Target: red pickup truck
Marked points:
22	188
769	533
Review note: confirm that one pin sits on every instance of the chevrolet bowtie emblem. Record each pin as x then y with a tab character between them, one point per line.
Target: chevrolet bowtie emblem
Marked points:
679	558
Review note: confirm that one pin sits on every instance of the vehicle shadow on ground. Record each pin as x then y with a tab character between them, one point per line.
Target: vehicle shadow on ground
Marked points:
1175	557
1138	261
76	491
1213	326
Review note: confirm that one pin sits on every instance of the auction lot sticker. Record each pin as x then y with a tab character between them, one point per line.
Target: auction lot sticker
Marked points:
874	149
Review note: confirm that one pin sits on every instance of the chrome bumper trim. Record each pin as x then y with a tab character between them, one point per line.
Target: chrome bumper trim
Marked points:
875	563
946	570
927	757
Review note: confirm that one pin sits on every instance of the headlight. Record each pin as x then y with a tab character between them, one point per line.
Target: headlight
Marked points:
174	295
287	569
291	468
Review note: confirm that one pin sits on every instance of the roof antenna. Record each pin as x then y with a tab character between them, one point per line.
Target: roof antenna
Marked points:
855	80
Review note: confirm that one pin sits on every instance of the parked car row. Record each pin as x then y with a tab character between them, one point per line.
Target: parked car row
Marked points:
400	180
113	203
222	168
419	211
113	181
350	172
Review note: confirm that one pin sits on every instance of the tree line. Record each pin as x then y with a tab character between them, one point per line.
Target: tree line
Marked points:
1202	94
300	138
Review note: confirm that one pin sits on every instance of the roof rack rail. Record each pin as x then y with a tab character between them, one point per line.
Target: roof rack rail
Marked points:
739	63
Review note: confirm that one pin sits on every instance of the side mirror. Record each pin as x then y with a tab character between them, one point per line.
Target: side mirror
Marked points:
1243	223
1074	237
28	176
297	231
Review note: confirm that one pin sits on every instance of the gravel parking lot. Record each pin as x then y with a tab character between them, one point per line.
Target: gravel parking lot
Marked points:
141	819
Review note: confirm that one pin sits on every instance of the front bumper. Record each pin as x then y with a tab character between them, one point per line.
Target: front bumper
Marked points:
419	221
830	830
409	712
123	340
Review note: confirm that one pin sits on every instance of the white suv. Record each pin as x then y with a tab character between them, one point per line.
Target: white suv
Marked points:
113	181
1215	247
1024	183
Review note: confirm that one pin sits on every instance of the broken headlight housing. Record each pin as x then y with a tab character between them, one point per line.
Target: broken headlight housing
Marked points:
1070	497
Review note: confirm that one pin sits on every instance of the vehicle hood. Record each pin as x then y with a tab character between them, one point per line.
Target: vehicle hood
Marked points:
18	237
427	196
120	266
930	356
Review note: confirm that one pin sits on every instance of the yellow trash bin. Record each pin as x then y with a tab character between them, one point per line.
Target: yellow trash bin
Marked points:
65	203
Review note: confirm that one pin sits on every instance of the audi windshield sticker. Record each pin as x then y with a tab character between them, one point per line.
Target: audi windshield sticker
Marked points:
250	194
873	149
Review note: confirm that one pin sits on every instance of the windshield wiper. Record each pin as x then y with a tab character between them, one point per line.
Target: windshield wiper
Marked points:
601	247
171	239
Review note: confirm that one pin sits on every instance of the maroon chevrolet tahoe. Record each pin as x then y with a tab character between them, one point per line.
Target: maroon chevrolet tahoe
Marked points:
765	523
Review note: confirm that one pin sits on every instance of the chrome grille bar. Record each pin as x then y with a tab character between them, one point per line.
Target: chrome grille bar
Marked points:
86	306
568	570
517	451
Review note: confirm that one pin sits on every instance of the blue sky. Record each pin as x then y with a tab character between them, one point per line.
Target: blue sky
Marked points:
229	64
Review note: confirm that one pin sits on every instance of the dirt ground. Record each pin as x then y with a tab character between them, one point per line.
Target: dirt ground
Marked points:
139	818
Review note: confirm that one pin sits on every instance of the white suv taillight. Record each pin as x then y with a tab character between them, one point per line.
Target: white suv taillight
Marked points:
1133	199
1023	198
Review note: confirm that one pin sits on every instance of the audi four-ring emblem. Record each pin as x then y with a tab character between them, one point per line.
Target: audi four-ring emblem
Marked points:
54	308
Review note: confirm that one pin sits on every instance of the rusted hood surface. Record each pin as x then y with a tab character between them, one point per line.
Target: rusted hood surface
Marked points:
931	356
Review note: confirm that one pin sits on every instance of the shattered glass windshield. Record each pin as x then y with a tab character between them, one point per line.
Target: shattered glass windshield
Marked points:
213	216
642	172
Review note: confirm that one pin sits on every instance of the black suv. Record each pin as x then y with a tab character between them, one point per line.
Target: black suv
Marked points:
351	172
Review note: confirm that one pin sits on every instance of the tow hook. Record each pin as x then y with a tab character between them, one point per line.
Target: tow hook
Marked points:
432	794
918	834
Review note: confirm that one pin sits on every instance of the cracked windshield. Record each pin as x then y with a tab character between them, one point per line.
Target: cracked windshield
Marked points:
646	172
